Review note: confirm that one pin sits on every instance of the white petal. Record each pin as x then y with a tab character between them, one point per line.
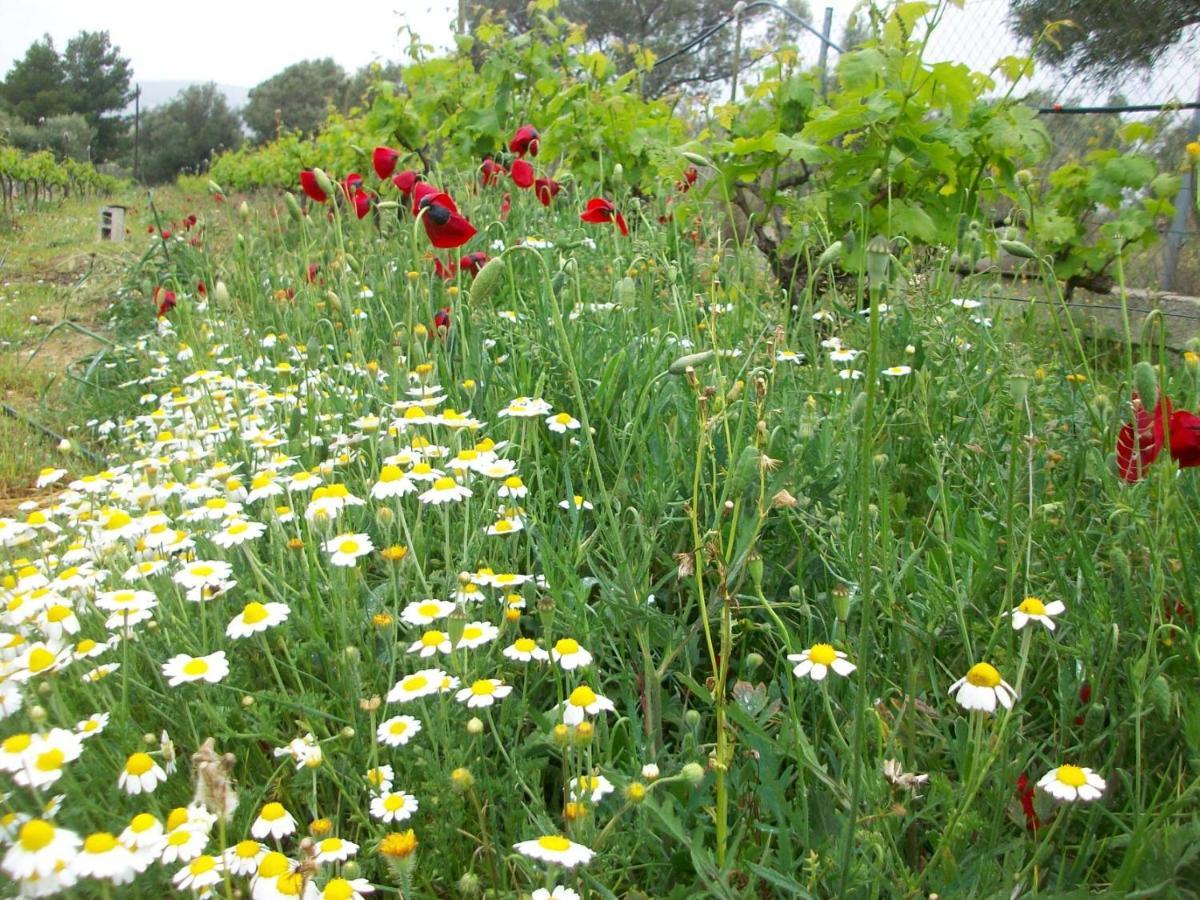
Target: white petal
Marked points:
843	666
819	672
1056	608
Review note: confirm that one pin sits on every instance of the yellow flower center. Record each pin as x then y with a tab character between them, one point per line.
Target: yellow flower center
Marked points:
563	418
414	682
566	647
273	811
101	842
58	613
202	864
338	889
483	688
444	484
554	843
247	849
582	696
390	473
503	525
16	743
139	764
526	645
178	816
394	802
399	844
87	645
142	822
822	655
39	659
36	834
1032	606
472	632
432	638
422	468
348	547
983	675
202	570
179	837
195	667
290	885
272	865
253	613
398	728
1072	776
429	609
50	760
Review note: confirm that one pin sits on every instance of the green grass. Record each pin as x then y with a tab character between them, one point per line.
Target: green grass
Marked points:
744	509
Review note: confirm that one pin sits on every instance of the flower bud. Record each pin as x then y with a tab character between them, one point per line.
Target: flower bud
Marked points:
221	292
293	206
650	771
244	210
1018	249
693	773
462	778
474	725
323	181
487	281
468	885
692	718
1145	381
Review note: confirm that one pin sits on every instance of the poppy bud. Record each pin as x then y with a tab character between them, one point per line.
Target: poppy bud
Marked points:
1018	249
693	773
1018	389
618	174
878	256
214	188
323	181
487	281
334	301
858	408
221	292
831	255
1145	381
293	206
626	291
244	210
695	158
691	361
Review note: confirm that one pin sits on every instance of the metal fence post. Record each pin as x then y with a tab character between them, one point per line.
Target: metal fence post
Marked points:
1183	213
823	59
738	9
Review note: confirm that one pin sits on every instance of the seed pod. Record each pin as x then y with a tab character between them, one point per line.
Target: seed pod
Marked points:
695	158
626	291
293	206
487	282
831	255
1018	249
691	361
334	301
1145	381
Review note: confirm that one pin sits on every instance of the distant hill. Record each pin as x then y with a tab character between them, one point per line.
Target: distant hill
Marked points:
156	93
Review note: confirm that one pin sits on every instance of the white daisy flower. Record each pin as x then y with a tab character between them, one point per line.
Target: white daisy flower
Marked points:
182	668
345	549
554	848
562	423
445	490
393	806
483	692
568	654
476	634
256	617
981	688
423	612
140	774
420	684
817	660
525	650
398	730
273	821
584	701
1072	783
1032	609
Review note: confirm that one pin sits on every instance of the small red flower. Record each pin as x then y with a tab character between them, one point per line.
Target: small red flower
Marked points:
600	210
505	206
445	227
1185	438
420	191
441	320
1025	794
362	203
473	262
313	269
164	300
166	234
1140	441
201	289
190	222
522	173
351	184
525	141
490	172
308	183
405	181
546	189
384	160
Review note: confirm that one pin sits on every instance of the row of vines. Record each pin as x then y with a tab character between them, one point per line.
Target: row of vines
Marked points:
33	178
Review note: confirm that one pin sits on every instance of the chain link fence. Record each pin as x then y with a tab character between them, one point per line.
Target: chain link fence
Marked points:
1082	114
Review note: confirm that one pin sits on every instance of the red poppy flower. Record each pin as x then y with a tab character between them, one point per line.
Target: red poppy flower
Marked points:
384	160
165	301
473	262
420	191
405	181
166	234
525	141
522	173
1140	441
444	270
351	184
490	172
308	182
1025	794
313	269
1185	438
190	222
505	206
441	320
362	203
600	210
546	189
201	289
445	227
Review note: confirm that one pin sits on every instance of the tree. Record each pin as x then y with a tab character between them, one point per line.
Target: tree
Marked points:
184	133
97	81
623	27
67	137
298	98
35	87
1105	38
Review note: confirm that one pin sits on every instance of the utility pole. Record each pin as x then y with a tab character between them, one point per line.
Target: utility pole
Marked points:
462	16
137	125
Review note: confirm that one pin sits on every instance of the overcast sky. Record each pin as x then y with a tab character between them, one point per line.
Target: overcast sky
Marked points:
238	42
